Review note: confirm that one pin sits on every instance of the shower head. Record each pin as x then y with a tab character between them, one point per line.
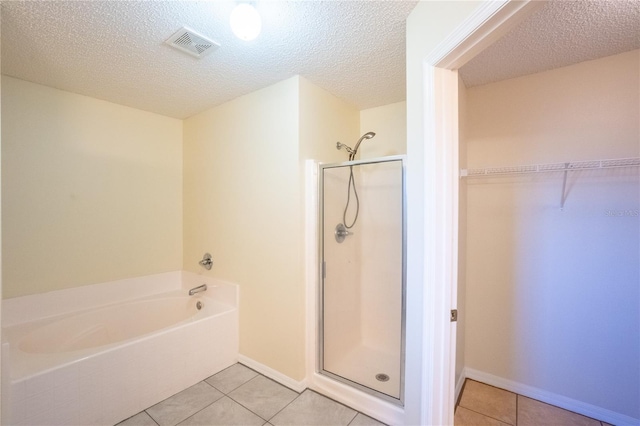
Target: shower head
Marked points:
354	151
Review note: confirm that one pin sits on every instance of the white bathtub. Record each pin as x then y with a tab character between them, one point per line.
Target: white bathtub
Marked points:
102	364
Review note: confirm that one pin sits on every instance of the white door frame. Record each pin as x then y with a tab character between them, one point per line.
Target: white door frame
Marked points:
485	25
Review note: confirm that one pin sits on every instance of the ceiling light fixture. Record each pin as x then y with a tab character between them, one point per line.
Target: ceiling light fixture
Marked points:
245	22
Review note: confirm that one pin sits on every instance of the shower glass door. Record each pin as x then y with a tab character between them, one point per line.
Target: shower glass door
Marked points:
363	275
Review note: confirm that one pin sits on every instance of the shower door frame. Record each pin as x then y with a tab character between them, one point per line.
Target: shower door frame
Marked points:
320	296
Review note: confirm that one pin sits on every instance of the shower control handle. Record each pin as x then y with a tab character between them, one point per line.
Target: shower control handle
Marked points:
341	232
344	233
206	262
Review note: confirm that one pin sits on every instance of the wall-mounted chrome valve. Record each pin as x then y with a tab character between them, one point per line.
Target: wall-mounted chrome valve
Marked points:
207	261
341	232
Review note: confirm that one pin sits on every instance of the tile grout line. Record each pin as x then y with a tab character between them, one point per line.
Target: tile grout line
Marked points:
228	368
204	408
238	387
354	417
279	411
227	394
269	419
464	385
143	411
268	378
560	408
485	415
277	383
311	390
152	419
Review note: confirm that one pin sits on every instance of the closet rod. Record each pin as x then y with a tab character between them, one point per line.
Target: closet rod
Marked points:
551	167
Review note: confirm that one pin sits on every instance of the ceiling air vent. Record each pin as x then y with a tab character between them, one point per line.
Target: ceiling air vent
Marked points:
192	43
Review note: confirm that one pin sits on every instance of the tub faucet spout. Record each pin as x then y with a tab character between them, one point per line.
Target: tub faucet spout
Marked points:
198	289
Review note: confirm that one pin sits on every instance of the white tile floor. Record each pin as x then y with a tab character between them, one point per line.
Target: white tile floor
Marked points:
240	396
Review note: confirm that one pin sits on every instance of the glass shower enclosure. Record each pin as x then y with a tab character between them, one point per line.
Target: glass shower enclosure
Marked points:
362	275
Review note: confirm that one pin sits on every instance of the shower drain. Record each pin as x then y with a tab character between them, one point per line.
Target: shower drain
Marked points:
382	377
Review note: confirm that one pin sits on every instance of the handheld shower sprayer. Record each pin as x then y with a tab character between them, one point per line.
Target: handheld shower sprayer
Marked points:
342	231
352	153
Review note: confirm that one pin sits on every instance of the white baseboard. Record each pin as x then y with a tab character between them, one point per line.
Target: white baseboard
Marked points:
283	379
570	404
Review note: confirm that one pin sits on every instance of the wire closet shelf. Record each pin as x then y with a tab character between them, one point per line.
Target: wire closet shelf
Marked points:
551	167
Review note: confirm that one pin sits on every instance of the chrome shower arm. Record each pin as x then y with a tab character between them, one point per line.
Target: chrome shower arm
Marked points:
340	145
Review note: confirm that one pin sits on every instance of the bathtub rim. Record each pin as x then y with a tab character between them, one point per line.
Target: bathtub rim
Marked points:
24	309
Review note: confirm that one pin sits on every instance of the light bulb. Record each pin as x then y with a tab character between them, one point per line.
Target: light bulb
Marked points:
245	22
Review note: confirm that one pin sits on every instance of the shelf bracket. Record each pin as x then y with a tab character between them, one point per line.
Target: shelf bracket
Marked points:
563	196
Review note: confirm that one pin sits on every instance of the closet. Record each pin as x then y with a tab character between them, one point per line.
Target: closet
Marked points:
549	235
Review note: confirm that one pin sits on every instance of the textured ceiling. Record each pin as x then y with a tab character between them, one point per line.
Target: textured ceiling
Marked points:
113	50
561	33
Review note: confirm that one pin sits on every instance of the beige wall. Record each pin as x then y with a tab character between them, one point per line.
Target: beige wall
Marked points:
325	120
91	191
389	122
552	296
243	203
